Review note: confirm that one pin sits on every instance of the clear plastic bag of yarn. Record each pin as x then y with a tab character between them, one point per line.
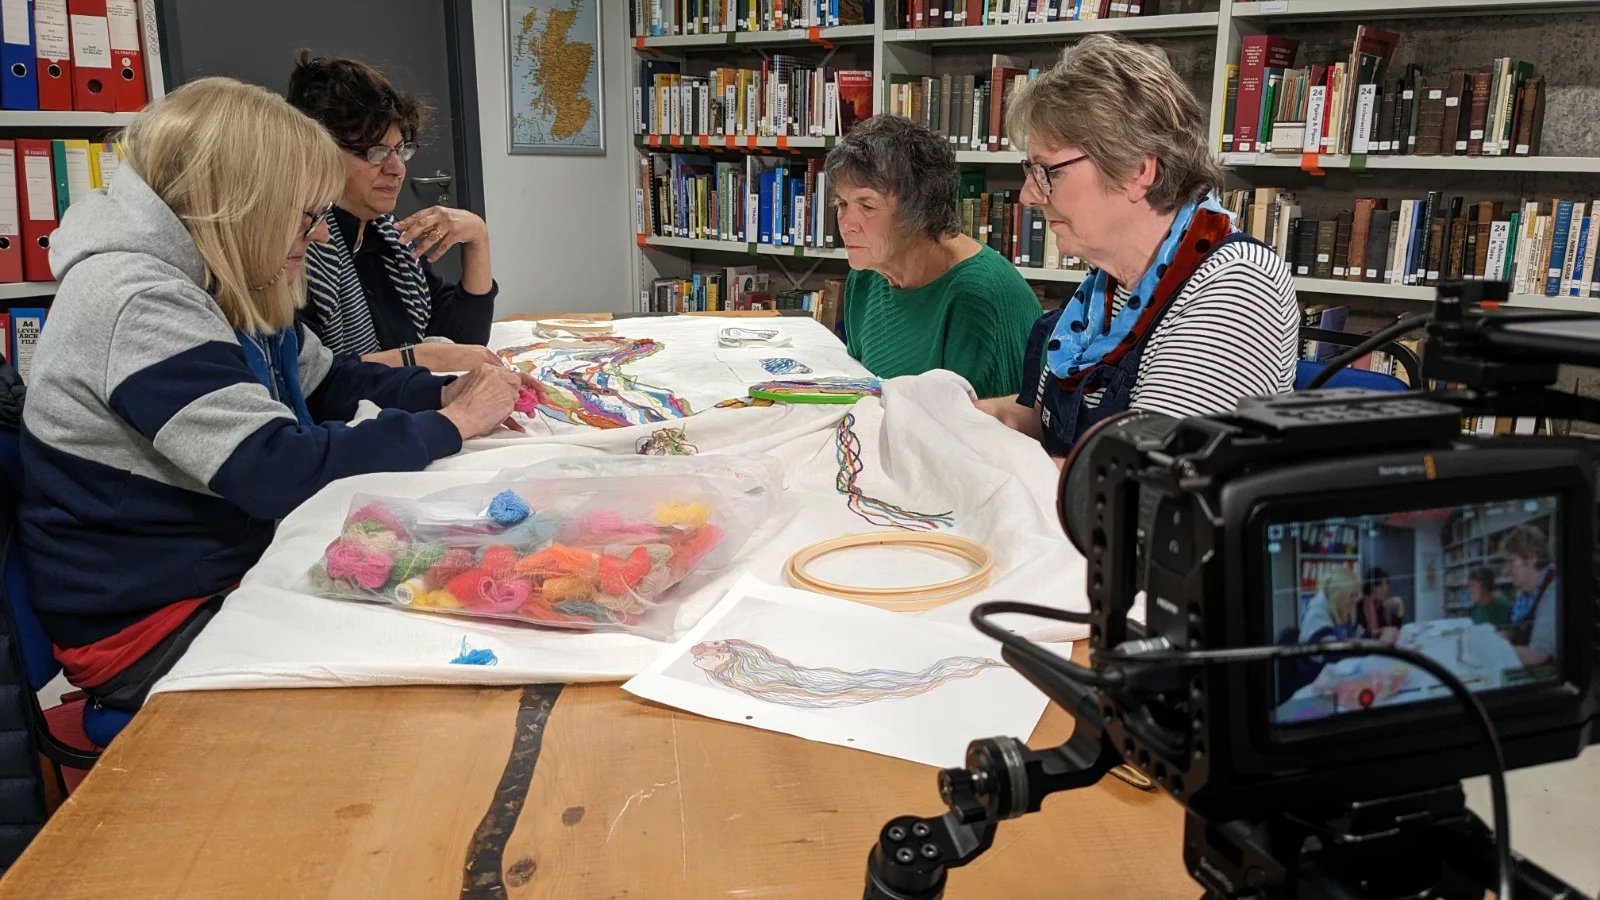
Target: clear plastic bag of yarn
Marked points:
602	544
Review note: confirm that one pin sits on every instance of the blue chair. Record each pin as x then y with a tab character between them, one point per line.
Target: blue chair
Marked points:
1357	378
33	647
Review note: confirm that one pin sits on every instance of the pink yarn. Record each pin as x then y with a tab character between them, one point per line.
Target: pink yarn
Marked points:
346	561
502	597
379	513
527	400
601	524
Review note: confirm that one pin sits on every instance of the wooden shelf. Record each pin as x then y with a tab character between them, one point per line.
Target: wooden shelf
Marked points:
1069	276
51	119
1426	294
1410	9
740	247
843	34
1554	164
1184	23
988	158
27	289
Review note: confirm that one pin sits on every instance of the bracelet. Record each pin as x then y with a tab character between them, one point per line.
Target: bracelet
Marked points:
907	599
408	355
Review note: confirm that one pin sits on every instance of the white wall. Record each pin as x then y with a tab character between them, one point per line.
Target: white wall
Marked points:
561	226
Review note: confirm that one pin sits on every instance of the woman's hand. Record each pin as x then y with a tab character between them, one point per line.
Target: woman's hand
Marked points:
436	356
433	231
1014	415
481	400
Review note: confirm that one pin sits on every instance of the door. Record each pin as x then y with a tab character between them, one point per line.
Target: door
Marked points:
424	46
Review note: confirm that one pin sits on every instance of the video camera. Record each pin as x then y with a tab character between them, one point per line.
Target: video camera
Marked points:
1348	606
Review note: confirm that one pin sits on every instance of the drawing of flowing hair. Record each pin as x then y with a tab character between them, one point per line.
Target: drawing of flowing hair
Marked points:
754	670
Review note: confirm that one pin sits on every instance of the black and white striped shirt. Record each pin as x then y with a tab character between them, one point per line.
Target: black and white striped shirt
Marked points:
1232	332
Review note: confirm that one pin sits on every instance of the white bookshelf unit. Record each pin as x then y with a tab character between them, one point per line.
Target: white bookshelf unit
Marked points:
901	51
61	124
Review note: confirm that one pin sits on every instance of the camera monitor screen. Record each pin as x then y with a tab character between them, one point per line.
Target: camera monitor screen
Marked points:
1476	588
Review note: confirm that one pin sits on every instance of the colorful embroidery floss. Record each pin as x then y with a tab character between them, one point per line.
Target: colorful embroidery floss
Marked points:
817	390
581	381
872	510
783	365
666	442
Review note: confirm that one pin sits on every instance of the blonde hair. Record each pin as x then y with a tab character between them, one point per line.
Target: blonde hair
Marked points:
239	167
1341	588
1121	102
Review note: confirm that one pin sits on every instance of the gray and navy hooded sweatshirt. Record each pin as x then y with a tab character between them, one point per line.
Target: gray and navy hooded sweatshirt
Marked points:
160	446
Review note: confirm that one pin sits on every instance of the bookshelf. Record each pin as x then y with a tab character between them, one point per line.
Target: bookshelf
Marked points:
62	124
928	51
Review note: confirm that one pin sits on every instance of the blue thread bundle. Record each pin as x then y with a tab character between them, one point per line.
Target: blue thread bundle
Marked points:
469	657
508	509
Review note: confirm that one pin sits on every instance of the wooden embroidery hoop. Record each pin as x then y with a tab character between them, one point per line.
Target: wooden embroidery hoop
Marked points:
900	599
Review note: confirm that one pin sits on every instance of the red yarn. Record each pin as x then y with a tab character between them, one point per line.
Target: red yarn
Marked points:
464	587
527	400
618	576
500	560
453	563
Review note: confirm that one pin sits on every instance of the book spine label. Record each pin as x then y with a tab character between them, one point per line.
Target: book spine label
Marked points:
1366	100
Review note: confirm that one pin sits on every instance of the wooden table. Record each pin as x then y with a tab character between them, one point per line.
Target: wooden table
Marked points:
541	792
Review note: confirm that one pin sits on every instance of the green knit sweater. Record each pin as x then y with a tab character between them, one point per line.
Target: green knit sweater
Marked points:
973	320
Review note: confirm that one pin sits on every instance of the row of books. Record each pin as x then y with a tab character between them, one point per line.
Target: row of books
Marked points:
1352	107
39	180
1539	247
756	200
740	289
659	18
952	13
72	55
1013	229
19	336
967	110
786	96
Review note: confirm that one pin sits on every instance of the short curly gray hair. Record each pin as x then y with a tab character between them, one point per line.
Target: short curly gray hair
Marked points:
1120	102
897	157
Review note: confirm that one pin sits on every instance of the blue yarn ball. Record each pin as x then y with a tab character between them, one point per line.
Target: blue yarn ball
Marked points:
508	509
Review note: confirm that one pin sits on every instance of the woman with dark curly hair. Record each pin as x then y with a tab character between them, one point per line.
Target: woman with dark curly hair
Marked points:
371	289
921	295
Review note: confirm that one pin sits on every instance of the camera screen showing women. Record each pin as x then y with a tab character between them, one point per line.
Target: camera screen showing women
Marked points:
1475	587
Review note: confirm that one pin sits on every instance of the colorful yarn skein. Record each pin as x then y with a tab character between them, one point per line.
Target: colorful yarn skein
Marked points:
601	570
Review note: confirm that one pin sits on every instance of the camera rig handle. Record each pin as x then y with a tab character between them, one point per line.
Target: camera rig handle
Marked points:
1002	779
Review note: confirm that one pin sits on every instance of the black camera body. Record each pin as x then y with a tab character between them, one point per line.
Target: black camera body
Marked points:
1348	606
1181	510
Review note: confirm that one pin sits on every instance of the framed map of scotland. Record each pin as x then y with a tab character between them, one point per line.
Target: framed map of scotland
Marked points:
553	63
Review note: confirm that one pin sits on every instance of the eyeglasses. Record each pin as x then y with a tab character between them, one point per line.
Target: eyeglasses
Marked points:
1041	173
317	218
378	154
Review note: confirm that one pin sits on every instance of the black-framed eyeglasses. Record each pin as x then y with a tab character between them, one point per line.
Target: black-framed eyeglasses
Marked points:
317	218
378	154
1041	173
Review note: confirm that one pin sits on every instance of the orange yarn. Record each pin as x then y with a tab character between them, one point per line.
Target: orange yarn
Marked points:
692	545
618	576
566	587
559	559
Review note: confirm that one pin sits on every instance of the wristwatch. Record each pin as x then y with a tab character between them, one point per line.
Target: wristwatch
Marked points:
408	355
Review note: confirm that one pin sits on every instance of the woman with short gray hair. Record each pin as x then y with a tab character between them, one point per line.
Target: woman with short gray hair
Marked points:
1181	313
921	295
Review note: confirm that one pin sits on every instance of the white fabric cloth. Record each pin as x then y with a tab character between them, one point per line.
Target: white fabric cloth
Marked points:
924	446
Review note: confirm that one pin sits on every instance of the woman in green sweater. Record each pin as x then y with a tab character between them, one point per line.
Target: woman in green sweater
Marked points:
921	295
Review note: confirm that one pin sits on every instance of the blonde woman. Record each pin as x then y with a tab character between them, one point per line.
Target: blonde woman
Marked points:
1331	614
175	412
1181	313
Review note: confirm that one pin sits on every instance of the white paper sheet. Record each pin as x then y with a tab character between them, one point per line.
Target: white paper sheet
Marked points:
922	446
842	673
